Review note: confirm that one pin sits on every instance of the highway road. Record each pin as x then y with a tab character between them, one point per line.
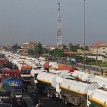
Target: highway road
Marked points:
81	66
47	102
5	105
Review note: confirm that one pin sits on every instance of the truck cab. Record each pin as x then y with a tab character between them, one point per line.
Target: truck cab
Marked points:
6	92
19	94
25	73
17	85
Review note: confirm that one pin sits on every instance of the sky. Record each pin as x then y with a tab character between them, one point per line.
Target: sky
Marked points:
36	20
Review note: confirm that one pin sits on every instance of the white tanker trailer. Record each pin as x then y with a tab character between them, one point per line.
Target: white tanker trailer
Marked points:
102	82
82	76
75	92
34	73
47	83
98	98
85	77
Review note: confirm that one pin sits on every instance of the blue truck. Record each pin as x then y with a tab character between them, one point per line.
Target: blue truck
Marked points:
18	86
73	60
6	92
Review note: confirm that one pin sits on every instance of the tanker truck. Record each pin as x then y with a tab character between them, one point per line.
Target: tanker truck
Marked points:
49	83
34	73
75	92
90	78
46	83
97	98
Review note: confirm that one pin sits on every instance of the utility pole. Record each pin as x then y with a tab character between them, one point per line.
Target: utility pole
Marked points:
84	37
59	35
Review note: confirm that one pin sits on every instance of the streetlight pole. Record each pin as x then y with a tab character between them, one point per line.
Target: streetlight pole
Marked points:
84	36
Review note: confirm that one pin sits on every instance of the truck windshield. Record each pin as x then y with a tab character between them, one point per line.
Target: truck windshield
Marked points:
5	95
26	71
18	91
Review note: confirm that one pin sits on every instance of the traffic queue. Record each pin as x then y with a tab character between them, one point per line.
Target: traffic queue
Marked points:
64	82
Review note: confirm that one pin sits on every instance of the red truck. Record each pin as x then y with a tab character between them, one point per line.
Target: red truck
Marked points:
25	73
3	62
13	73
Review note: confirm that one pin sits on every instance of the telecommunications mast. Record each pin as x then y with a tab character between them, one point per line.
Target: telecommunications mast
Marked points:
59	35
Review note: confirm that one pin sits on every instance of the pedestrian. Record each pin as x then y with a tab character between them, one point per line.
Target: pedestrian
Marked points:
39	104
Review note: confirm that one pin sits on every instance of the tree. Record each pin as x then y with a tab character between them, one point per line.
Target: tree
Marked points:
39	49
45	51
57	53
15	47
30	52
74	48
64	46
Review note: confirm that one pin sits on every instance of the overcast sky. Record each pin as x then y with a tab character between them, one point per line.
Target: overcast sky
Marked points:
36	20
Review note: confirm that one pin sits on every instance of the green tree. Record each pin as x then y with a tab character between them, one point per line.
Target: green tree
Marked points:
30	52
15	47
74	48
45	51
39	49
57	53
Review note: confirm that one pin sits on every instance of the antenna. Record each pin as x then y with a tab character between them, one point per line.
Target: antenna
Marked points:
59	35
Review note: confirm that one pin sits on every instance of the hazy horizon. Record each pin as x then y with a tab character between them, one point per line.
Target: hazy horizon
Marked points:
36	20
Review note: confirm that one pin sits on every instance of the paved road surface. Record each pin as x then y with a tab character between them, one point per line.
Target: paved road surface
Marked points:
5	105
94	69
80	65
48	102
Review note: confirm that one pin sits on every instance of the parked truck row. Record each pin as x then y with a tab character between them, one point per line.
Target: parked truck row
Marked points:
71	91
72	86
11	85
11	78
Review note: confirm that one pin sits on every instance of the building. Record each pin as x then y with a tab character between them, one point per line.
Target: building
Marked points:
25	47
81	51
50	47
99	48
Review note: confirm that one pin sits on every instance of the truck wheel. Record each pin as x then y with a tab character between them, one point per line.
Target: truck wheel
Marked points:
48	94
65	101
51	95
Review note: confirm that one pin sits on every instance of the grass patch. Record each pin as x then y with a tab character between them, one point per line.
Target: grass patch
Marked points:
102	64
